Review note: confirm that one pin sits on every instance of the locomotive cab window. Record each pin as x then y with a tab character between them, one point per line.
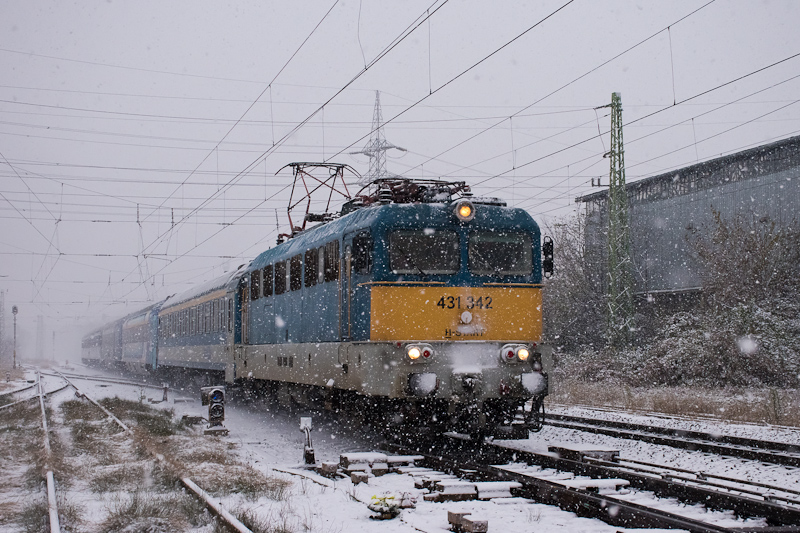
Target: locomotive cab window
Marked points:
362	253
500	254
425	251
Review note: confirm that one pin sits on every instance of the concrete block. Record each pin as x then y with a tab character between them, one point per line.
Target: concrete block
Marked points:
359	477
474	525
328	469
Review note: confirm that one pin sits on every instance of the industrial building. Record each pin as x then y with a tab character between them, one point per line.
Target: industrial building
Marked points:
665	210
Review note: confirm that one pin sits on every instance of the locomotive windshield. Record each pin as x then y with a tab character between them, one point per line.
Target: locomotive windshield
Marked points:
424	251
500	254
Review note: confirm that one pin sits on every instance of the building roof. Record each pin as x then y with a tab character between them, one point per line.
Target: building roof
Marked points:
751	163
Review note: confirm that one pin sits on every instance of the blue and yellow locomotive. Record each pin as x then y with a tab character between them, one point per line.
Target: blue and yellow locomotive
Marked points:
419	305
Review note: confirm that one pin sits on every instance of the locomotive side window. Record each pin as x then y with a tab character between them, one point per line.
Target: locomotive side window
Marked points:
311	267
332	261
255	284
424	251
267	275
296	278
362	253
280	277
321	264
500	254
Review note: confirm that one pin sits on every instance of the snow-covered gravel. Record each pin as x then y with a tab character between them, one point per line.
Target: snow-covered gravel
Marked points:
272	443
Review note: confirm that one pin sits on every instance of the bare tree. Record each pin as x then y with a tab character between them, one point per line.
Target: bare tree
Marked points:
573	299
748	259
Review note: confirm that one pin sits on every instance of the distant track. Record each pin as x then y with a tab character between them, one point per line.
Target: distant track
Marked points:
753	449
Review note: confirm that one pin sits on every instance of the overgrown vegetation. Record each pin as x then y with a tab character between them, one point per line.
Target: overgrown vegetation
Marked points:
744	332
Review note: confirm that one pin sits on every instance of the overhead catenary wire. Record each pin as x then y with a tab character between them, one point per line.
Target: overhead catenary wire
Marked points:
633	141
435	7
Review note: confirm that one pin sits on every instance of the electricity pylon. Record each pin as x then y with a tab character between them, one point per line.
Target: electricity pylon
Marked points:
620	277
376	147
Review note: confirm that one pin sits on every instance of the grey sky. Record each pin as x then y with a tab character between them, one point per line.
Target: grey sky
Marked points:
106	105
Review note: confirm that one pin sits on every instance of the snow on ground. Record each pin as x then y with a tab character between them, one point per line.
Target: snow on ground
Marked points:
271	442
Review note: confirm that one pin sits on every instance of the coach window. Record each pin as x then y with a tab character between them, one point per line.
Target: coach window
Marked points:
500	254
230	315
267	275
311	267
296	279
362	253
255	284
214	315
332	261
280	277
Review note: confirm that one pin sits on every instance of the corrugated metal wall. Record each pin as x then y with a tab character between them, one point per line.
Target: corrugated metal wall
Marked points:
666	209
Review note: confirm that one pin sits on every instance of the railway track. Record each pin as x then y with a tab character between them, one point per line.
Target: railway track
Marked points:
612	491
757	450
50	475
214	506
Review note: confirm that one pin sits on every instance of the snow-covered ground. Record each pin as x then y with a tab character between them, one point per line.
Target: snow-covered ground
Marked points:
272	443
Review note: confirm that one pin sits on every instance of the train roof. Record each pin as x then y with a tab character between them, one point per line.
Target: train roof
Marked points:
228	282
488	213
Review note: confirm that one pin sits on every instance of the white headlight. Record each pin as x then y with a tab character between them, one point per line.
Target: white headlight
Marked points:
413	352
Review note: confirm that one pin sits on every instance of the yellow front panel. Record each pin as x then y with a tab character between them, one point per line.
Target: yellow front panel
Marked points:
437	313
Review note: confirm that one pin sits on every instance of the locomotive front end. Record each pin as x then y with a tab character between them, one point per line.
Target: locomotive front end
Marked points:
460	308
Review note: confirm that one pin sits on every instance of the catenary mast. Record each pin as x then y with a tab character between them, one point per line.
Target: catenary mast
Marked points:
620	279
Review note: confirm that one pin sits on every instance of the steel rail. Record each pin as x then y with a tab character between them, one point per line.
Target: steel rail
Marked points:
694	417
8	405
52	507
763	451
13	392
186	481
716	476
474	456
106	380
701	481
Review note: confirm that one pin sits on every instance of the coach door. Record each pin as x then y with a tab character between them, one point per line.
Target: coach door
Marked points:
244	299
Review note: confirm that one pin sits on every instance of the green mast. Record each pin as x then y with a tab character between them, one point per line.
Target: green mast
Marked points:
620	280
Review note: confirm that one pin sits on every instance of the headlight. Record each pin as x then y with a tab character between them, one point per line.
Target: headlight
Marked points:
465	211
523	353
419	353
515	353
413	353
